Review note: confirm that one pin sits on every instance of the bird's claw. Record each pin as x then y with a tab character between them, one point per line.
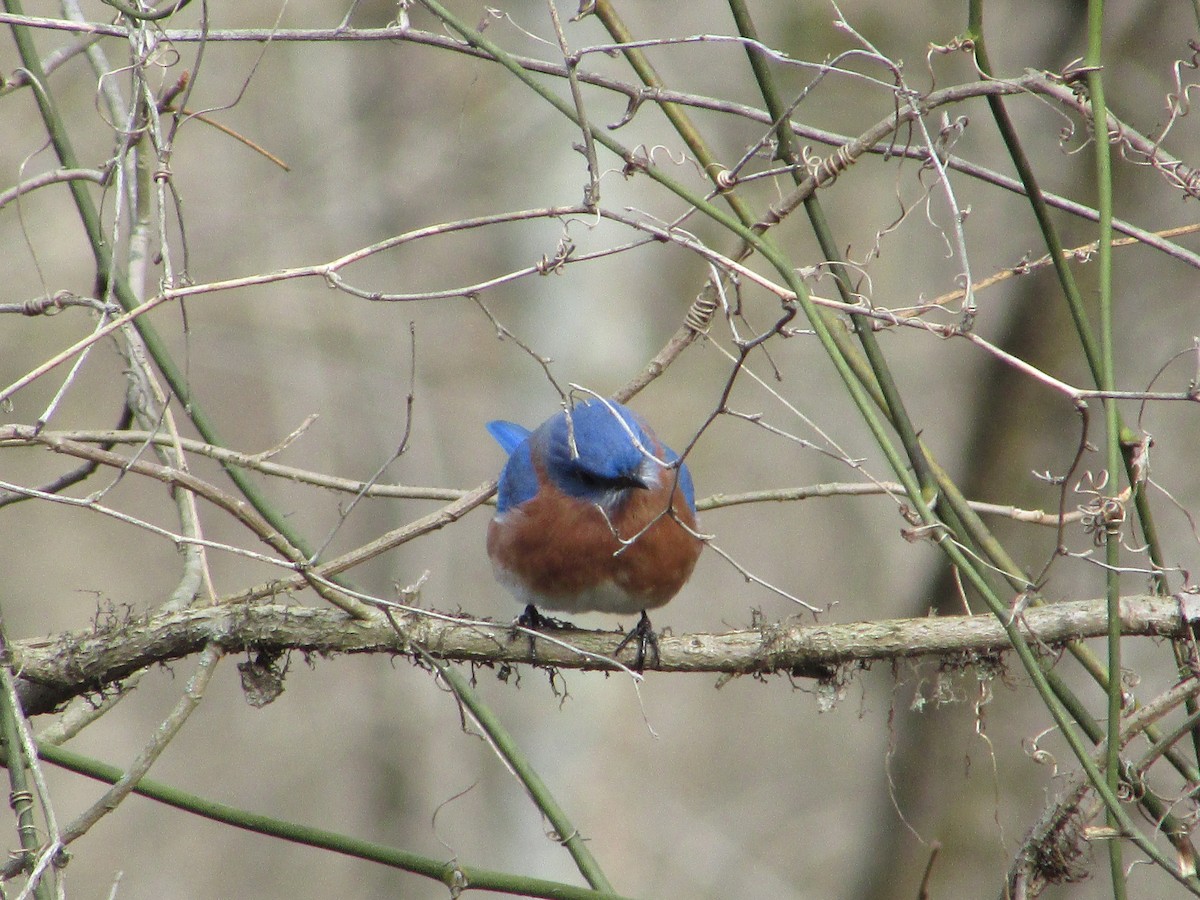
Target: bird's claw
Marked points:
644	632
533	620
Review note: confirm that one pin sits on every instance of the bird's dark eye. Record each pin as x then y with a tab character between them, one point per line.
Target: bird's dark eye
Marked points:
592	481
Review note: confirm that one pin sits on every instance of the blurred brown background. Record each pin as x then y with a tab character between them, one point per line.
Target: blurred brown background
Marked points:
754	790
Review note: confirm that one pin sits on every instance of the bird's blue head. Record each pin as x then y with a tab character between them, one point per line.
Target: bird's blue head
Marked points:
601	453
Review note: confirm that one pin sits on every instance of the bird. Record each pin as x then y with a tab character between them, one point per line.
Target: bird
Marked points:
593	514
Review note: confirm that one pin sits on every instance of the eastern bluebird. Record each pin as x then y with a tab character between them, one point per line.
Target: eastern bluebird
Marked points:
593	514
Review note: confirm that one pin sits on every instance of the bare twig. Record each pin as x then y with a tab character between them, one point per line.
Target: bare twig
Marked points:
239	510
193	693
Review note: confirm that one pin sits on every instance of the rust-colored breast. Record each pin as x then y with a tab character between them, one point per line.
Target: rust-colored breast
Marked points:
560	552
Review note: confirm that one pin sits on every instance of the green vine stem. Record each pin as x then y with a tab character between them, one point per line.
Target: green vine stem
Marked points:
20	796
451	874
1121	440
106	275
862	401
516	760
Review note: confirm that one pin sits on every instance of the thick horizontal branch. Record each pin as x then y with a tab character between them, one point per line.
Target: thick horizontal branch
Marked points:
52	670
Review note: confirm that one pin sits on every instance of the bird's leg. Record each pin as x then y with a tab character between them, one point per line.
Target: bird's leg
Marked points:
535	621
531	618
644	632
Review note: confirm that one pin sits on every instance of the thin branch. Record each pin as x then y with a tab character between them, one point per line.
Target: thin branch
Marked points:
638	95
453	874
241	511
591	194
57	176
517	762
256	462
193	693
1055	846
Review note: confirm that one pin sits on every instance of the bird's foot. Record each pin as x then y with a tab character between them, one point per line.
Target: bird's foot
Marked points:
531	618
644	632
535	621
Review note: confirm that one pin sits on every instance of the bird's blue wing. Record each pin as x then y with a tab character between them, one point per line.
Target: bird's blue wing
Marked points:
685	477
507	434
518	480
